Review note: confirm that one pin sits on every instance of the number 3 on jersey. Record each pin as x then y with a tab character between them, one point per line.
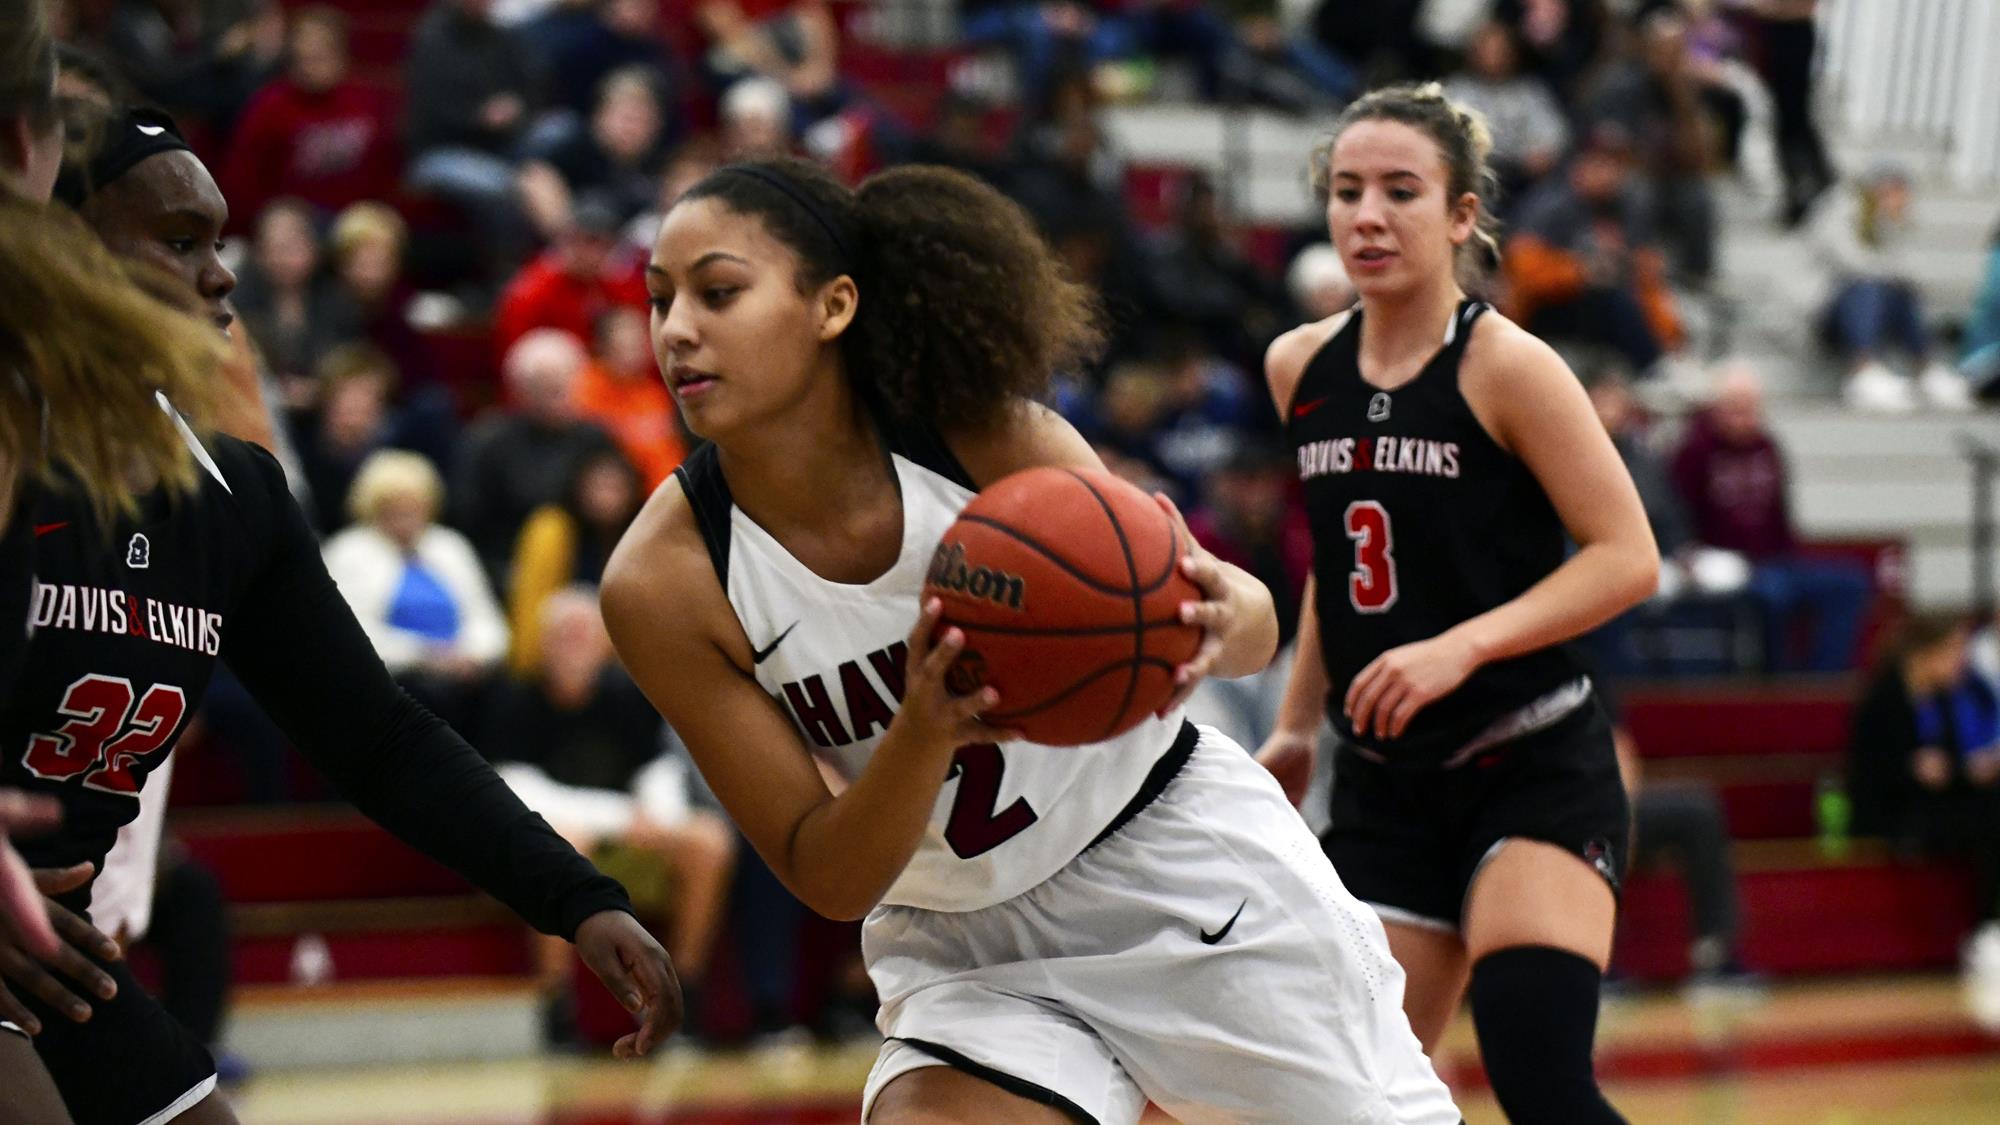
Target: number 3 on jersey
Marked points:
106	735
1371	588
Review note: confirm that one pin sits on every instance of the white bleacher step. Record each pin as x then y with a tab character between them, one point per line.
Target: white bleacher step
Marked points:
366	1023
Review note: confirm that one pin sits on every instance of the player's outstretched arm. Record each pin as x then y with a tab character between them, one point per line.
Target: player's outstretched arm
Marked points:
296	645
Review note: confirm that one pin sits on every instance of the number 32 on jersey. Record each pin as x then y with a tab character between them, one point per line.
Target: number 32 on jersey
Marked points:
111	729
1371	586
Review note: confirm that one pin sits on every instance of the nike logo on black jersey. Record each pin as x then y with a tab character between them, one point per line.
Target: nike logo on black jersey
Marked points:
1305	408
758	656
1210	939
42	529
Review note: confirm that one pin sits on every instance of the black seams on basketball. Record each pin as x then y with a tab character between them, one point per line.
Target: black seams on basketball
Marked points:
1067	584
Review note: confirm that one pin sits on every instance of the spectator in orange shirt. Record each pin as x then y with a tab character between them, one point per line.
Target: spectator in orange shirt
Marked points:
585	274
620	390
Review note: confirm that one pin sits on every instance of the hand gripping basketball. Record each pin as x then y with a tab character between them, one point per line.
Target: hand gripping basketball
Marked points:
1213	614
931	712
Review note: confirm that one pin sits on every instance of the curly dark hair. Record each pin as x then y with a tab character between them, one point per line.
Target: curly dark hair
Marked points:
964	309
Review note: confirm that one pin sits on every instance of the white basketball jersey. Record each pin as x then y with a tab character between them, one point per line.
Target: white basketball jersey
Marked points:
833	655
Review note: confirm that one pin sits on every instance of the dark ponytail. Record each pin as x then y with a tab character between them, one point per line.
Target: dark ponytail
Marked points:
964	309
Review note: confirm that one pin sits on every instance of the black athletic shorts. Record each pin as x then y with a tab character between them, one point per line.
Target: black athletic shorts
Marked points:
131	1064
1409	841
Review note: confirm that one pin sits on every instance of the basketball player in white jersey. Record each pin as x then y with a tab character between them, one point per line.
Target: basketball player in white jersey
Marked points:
1056	934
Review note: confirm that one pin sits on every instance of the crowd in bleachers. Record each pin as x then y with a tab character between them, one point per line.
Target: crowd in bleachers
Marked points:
441	218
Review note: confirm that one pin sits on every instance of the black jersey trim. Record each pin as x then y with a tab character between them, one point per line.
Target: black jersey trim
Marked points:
1158	778
921	444
1019	1087
708	493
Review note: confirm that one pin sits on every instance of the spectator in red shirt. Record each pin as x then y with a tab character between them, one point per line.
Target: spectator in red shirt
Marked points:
313	133
585	274
1731	475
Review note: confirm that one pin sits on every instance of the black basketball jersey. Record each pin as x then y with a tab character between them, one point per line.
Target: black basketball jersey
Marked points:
129	620
1420	521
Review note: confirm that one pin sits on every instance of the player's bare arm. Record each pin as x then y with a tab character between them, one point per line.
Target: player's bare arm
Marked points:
1292	749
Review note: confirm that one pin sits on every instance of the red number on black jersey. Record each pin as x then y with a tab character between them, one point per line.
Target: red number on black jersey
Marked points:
1371	588
105	735
976	826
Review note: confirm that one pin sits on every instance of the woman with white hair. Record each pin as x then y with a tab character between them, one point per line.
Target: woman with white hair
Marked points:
417	587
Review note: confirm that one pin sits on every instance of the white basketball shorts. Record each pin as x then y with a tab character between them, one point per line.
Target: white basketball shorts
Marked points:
1205	957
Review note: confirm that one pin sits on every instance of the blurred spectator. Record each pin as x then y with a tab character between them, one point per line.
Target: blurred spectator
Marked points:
621	390
1266	63
200	61
1788	34
1528	126
688	166
518	459
1318	283
286	302
348	423
1681	823
1655	99
1732	477
580	42
1566	40
796	45
1982	334
1582	264
579	745
371	300
1701	588
1923	765
1249	517
470	89
959	139
1864	238
417	588
314	133
756	119
616	157
566	544
587	273
1379	39
1201	279
1125	419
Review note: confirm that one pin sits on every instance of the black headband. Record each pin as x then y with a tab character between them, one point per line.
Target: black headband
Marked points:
799	197
130	136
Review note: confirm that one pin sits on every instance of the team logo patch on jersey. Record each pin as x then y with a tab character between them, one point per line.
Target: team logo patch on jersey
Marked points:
138	553
1378	407
950	571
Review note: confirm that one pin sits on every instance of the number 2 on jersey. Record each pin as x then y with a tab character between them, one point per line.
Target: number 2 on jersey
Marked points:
977	826
1371	587
106	735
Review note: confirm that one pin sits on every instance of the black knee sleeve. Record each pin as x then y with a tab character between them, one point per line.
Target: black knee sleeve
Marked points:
1535	1009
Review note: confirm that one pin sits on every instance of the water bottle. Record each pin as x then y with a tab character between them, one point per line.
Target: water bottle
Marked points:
1835	813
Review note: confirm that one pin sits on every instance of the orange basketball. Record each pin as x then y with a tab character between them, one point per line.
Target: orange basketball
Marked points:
1068	586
